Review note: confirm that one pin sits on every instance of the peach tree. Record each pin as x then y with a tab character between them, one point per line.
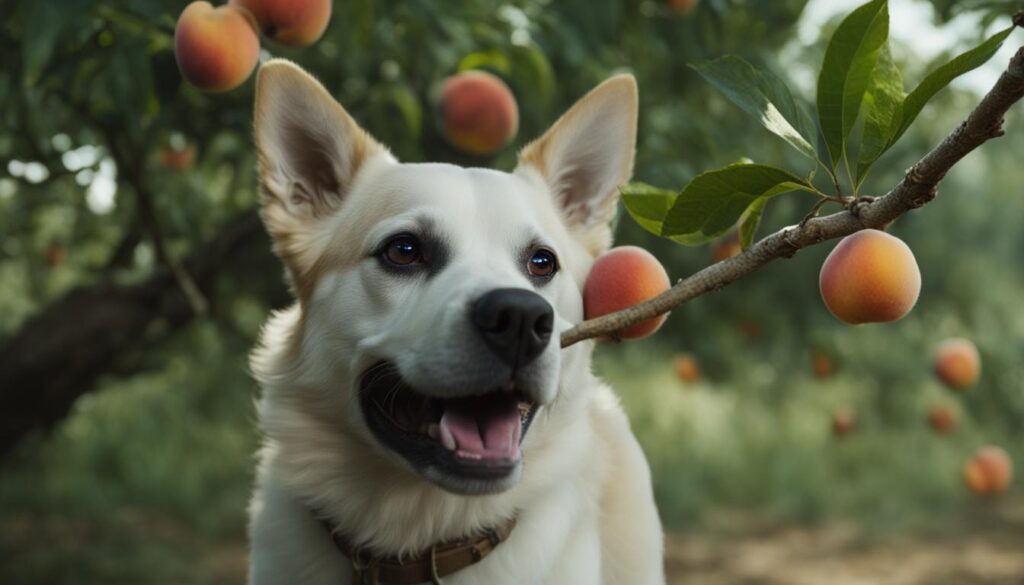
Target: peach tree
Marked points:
862	111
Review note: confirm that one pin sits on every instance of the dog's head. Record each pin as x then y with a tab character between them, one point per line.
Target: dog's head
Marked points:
432	296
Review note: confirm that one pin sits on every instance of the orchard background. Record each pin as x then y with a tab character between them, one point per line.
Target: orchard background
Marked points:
126	419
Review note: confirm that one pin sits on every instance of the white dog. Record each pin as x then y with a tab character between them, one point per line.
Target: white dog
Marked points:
421	422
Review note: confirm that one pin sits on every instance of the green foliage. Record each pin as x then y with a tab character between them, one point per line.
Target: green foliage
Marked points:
713	201
883	111
942	76
765	97
846	73
858	81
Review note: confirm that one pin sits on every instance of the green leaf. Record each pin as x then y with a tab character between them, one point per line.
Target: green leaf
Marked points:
883	108
714	201
941	77
846	72
648	206
749	221
765	97
494	59
42	24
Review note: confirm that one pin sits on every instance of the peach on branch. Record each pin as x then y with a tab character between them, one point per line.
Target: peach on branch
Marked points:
479	112
822	365
870	277
623	277
726	249
989	471
216	48
296	23
686	367
942	419
683	7
957	363
179	160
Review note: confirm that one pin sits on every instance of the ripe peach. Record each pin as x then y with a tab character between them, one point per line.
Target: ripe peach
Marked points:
989	472
683	7
942	419
957	363
623	277
54	256
844	421
479	112
750	329
178	160
296	23
870	277
822	365
686	367
216	48
725	249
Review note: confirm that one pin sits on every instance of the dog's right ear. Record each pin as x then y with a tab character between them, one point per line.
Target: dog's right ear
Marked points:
586	155
310	150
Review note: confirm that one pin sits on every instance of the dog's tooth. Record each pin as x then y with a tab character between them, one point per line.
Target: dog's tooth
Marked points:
447	439
434	431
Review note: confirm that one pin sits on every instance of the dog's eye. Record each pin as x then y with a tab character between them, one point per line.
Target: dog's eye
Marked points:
542	264
402	251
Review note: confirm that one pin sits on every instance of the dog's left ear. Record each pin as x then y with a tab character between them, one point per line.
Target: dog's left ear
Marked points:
586	155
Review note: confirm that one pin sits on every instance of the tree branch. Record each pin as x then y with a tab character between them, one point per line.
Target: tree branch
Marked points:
917	188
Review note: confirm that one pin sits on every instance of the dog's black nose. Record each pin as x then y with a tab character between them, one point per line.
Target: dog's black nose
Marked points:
515	323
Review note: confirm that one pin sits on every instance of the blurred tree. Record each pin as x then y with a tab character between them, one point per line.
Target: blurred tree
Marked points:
95	111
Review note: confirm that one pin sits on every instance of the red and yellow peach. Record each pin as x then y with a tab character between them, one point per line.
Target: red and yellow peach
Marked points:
989	471
686	367
479	113
957	363
870	277
623	277
216	48
296	23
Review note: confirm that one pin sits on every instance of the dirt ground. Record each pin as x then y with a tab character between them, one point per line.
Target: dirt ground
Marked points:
987	550
833	556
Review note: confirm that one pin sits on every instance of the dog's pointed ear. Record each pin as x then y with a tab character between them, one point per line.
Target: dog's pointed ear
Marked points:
587	155
310	150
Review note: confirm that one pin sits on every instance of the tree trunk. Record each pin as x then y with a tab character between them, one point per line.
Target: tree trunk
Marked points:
59	354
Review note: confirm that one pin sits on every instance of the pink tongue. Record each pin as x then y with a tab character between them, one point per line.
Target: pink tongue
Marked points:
484	428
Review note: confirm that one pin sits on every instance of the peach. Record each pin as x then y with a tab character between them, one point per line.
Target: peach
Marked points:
686	367
216	48
54	256
621	278
870	277
725	249
750	329
479	112
296	23
942	419
683	7
957	363
989	472
844	421
178	160
821	365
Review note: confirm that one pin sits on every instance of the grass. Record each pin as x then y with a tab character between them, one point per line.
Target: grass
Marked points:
148	479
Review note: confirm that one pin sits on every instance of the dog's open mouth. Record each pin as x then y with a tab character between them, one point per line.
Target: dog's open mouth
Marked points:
476	437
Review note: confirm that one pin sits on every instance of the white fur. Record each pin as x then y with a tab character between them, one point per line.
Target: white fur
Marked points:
583	501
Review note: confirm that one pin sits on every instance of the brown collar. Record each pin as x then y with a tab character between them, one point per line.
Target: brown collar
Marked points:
428	566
